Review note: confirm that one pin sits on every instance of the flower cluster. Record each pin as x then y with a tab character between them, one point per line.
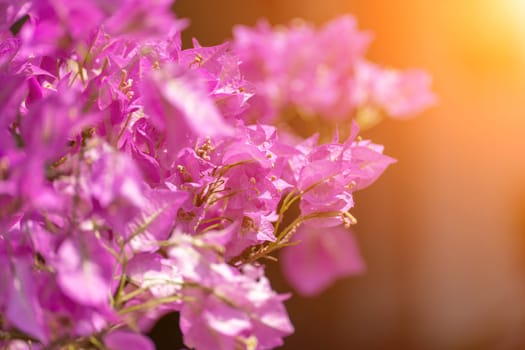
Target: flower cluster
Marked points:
138	178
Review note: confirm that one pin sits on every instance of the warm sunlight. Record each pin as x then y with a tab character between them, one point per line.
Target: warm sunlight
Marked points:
508	16
514	15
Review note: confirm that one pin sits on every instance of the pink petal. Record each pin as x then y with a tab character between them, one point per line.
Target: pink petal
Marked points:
87	264
123	340
322	257
23	309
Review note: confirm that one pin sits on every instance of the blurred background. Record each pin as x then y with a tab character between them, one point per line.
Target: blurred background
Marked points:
443	230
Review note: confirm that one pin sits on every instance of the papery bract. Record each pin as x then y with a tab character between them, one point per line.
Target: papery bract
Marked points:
323	257
399	94
122	340
302	67
228	307
84	261
137	177
23	307
179	103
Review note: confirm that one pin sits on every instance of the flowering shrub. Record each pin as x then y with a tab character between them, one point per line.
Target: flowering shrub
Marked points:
138	178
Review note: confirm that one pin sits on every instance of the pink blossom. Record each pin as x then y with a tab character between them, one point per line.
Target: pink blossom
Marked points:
302	66
23	307
142	19
219	69
305	68
138	178
156	221
398	93
127	340
324	256
160	276
178	104
84	261
227	307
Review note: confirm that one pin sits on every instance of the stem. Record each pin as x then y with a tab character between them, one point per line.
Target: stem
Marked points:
124	127
150	304
284	237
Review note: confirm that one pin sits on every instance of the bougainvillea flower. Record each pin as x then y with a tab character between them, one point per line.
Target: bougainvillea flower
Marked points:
178	104
398	93
322	257
156	219
23	306
301	66
138	178
228	308
86	262
127	340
